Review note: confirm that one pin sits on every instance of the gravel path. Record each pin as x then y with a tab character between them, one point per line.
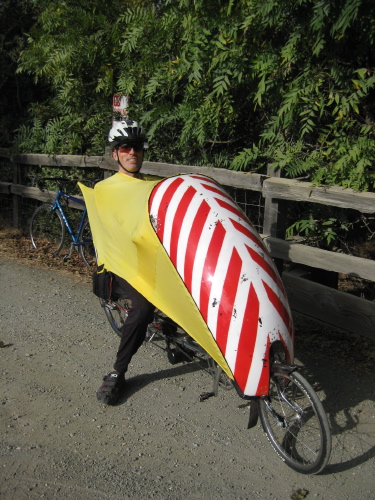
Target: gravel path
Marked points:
58	442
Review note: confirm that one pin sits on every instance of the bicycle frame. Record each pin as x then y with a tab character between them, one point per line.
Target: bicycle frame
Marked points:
57	206
49	225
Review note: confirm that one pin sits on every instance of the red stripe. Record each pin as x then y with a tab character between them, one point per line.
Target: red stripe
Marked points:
258	259
228	296
209	267
217	191
203	178
164	204
229	207
177	222
152	195
247	340
280	308
264	379
253	236
286	349
193	240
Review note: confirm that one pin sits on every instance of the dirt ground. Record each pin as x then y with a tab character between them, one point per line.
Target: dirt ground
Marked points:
160	442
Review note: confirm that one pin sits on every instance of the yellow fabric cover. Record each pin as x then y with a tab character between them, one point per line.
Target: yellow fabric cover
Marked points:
127	245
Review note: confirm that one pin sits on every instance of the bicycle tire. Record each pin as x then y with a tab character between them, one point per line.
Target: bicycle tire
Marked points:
47	230
295	423
87	249
116	312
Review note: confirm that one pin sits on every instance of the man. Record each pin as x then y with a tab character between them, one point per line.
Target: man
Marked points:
128	143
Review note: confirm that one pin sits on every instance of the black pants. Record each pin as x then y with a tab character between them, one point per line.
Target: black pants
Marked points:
135	327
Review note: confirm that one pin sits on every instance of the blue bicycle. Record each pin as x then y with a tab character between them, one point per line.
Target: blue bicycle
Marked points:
49	225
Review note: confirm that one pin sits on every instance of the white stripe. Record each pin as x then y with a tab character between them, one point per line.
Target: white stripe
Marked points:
224	196
252	230
218	284
256	273
202	250
237	319
171	212
186	226
160	190
271	324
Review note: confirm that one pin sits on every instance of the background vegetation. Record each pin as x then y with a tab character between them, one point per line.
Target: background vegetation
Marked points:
234	84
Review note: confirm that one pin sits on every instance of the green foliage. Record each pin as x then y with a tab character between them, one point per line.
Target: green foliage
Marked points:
331	228
321	119
189	101
215	82
318	231
72	49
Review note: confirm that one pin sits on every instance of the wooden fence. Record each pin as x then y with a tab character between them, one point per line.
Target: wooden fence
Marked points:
311	298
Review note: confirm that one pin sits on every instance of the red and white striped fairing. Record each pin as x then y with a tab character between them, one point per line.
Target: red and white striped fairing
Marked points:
228	272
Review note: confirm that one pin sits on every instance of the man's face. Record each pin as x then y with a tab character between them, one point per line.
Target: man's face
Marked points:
130	157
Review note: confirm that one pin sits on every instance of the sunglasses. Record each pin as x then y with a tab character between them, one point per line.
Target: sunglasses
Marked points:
126	148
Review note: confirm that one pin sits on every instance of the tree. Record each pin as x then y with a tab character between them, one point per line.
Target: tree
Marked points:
320	57
227	83
73	49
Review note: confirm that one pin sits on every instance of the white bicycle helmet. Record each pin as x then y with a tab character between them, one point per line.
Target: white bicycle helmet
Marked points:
126	131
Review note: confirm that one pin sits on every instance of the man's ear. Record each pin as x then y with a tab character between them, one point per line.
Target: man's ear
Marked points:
114	155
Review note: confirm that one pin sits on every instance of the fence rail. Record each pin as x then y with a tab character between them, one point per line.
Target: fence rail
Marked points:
313	299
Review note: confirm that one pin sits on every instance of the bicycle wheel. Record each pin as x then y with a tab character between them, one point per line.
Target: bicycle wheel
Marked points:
116	312
294	420
47	230
87	249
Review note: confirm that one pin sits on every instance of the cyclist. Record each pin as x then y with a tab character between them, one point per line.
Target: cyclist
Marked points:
128	143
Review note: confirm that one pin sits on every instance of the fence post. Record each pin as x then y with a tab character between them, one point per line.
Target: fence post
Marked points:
275	211
275	215
275	224
15	197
